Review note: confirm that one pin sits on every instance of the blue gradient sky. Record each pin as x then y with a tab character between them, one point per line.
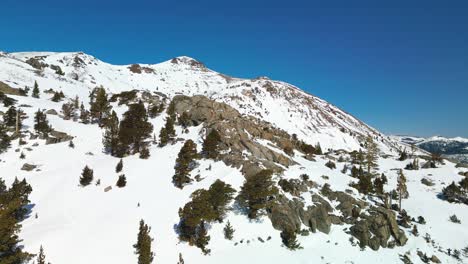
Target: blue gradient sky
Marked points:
401	66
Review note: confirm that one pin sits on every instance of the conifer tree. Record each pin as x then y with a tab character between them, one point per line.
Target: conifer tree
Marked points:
134	128
35	91
257	191
41	256
143	244
184	120
10	116
4	138
111	135
169	126
290	240
163	137
211	145
119	166
71	144
202	238
84	114
220	195
56	97
371	155
228	231
318	149
68	111
122	181
86	176
144	152
41	124
99	103
185	163
401	187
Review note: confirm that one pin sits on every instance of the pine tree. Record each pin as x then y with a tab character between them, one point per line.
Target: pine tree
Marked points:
169	126
68	111
56	97
119	166
122	181
401	187
211	145
144	152
143	244
84	114
9	118
111	135
99	103
41	124
221	194
41	256
35	91
184	120
86	176
134	128
371	155
163	137
318	149
365	183
290	240
4	138
228	231
181	259
185	163
202	238
257	191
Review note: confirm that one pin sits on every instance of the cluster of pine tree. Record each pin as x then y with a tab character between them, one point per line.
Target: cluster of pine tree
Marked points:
211	143
306	148
457	193
258	192
58	96
13	202
41	124
206	206
4	138
185	163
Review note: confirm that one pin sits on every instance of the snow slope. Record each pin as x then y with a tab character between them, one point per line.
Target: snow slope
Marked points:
87	225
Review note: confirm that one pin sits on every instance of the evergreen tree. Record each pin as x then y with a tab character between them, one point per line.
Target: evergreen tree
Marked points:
134	128
86	176
35	91
171	111
10	117
122	181
318	149
401	187
371	155
365	183
163	137
119	166
99	103
257	192
41	124
202	238
211	145
379	185
143	244
4	138
403	155
71	144
111	135
169	126
184	120
12	203
56	97
41	256
68	111
185	163
144	152
221	194
84	114
290	240
228	231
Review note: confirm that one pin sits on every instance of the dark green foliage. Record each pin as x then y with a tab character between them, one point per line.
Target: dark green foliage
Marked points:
210	148
4	138
185	163
155	110
119	166
7	101
71	144
22	156
357	157
58	96
371	156
318	149
84	114
68	110
205	206
163	137
456	193
170	128
171	111
12	211
202	238
122	181
144	152
228	231
364	185
379	183
143	244
414	165
124	97
403	155
257	192
41	256
290	240
330	164
41	124
99	103
9	118
134	128
35	91
86	176
110	139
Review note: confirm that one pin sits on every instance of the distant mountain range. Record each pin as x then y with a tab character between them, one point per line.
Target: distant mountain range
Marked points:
452	148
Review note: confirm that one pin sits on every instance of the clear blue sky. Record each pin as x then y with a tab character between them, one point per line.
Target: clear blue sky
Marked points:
401	66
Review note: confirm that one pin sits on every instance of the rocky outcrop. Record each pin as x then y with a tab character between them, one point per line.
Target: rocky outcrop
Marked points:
28	167
239	134
6	89
55	137
375	229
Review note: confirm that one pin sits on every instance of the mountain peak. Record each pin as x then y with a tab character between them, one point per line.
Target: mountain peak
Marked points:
187	61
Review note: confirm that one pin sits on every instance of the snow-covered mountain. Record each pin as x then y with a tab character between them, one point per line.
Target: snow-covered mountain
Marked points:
257	119
454	148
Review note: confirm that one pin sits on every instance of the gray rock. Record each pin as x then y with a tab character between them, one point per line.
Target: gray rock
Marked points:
51	112
55	137
28	167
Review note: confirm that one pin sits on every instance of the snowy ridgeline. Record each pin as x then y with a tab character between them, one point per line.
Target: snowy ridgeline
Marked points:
78	224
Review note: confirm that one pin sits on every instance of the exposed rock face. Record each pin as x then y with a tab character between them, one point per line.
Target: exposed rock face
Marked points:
376	228
6	89
51	112
57	137
239	134
28	167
